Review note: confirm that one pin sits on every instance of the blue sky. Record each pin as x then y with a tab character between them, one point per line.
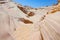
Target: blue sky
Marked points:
36	3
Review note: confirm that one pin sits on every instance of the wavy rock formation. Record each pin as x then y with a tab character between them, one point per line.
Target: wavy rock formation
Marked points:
25	23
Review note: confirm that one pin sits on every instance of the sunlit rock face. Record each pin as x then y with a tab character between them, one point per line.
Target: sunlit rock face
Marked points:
25	23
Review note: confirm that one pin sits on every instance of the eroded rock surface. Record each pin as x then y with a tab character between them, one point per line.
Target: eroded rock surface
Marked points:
22	23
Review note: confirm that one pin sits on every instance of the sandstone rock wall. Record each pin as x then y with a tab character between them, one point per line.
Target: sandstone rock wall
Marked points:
18	23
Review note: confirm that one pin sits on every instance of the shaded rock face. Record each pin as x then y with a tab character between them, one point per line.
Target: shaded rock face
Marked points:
2	2
25	21
31	14
22	9
59	1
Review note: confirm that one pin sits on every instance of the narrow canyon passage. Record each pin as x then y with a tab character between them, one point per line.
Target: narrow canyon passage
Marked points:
28	23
